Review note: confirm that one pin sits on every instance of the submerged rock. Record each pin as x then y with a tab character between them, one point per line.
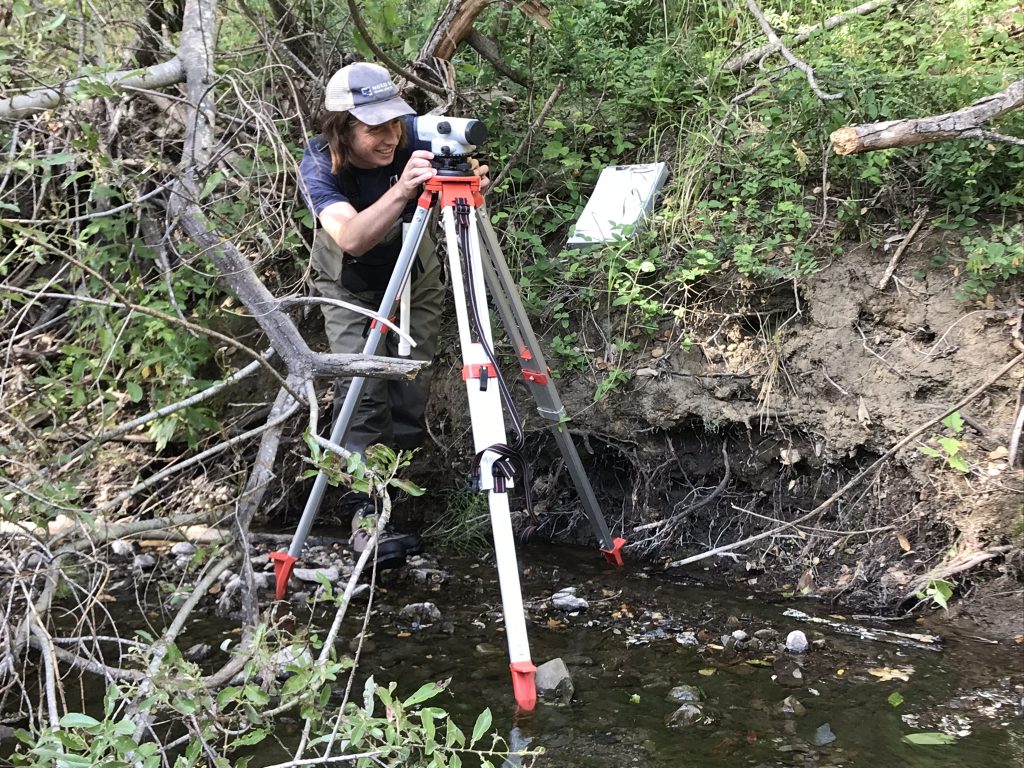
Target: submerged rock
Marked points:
421	613
796	642
685	693
199	652
686	715
554	684
792	706
823	735
687	638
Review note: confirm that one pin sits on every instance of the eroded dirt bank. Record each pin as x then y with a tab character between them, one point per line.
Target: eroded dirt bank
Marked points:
759	405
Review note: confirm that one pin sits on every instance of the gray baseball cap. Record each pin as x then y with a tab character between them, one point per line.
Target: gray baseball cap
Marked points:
366	91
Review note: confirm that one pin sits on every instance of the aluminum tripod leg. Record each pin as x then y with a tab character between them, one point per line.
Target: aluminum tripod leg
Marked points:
538	379
485	409
283	563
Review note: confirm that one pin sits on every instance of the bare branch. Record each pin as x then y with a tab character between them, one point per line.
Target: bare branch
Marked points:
963	124
33	102
778	45
737	63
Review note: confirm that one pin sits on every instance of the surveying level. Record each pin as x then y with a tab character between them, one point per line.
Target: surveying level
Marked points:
476	264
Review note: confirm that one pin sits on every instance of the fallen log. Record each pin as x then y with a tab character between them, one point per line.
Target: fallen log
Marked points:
962	124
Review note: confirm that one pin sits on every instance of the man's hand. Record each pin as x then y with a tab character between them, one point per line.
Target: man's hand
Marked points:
417	171
480	171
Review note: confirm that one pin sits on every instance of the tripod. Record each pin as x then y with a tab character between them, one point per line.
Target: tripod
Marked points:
469	235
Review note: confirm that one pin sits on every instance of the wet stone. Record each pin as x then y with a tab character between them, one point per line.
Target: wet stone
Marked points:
688	639
732	623
823	735
554	684
144	562
427	576
796	642
312	575
686	715
486	649
566	600
792	706
766	634
682	694
420	613
122	548
199	652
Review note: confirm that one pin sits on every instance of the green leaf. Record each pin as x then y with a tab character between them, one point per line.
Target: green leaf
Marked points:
959	463
409	487
427	691
929	451
185	705
483	723
955	422
454	736
895	699
78	720
134	391
931	738
211	183
950	445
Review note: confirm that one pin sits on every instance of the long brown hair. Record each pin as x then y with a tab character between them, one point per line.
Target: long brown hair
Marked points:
337	130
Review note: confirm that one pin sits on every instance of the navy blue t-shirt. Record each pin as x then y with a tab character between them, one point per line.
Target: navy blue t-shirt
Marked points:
360	187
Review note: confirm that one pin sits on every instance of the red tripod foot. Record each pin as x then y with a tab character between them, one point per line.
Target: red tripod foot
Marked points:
614	555
524	686
283	564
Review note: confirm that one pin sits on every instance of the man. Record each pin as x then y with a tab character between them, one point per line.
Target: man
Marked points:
359	178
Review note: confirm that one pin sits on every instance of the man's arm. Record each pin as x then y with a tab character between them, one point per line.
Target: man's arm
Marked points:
357	232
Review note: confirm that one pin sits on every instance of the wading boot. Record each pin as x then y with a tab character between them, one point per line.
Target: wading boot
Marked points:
392	547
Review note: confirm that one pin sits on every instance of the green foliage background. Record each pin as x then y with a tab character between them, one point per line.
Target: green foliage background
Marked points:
754	195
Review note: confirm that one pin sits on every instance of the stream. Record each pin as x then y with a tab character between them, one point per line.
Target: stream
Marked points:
667	671
645	632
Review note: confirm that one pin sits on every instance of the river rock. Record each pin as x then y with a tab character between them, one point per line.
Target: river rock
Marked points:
823	735
683	694
420	613
428	576
199	652
566	600
685	716
766	634
792	706
122	548
688	639
183	548
554	683
796	642
144	562
313	575
732	623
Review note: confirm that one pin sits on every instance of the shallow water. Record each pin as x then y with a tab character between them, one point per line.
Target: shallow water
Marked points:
624	657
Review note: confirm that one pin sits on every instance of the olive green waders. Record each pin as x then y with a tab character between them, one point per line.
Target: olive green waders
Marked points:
390	412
